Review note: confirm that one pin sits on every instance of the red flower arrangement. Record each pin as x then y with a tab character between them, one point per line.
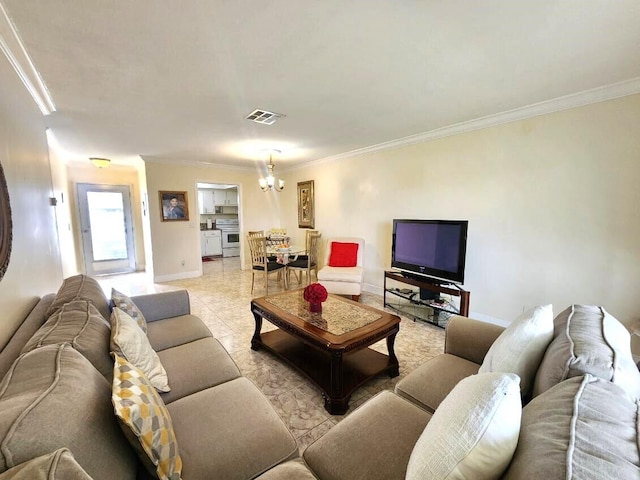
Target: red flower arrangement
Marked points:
315	294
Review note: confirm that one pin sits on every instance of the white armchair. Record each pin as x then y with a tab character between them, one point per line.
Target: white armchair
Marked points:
343	280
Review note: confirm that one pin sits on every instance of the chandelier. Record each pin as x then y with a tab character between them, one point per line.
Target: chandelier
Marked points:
270	182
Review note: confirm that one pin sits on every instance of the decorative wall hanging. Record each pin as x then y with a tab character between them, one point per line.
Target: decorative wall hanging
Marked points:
6	227
306	208
174	206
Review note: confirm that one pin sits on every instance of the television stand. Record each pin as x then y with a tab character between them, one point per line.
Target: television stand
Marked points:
411	303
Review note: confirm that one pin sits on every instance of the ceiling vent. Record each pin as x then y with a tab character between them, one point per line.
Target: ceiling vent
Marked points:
264	117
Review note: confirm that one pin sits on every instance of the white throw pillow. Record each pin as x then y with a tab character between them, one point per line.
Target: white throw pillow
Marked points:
473	433
130	342
520	348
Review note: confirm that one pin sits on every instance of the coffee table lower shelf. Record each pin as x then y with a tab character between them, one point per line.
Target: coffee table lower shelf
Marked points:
324	368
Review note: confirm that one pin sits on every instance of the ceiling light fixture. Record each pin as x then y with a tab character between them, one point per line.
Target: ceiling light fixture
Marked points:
100	162
270	182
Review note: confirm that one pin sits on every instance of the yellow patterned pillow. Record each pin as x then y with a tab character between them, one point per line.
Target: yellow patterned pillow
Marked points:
125	304
143	413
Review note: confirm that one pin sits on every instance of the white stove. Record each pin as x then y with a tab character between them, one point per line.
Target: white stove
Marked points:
230	228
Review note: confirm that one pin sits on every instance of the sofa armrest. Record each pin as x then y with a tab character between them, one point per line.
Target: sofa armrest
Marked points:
470	339
158	306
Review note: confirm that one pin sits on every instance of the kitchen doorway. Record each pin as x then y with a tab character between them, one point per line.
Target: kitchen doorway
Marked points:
218	205
107	228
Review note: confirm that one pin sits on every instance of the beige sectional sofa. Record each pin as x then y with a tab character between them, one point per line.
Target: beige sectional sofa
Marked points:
583	422
56	393
459	415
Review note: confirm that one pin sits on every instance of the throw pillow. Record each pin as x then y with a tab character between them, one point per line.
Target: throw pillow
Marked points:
145	420
583	428
588	340
128	341
59	465
343	254
124	303
473	433
520	348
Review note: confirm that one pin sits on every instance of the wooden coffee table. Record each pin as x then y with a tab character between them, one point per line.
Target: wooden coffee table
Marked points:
329	348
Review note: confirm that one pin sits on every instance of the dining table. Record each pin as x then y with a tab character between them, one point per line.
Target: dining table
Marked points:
285	255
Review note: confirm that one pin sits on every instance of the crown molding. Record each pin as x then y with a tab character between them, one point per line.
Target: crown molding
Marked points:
574	100
16	53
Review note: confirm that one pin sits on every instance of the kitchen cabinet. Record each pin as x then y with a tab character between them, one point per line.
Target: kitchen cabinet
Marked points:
211	242
226	197
206	201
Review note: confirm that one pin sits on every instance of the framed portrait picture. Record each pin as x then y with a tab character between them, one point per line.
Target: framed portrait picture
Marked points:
174	206
306	214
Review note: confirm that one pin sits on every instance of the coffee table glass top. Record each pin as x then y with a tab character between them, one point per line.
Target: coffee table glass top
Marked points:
338	317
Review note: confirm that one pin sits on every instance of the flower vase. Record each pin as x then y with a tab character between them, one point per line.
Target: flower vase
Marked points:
315	307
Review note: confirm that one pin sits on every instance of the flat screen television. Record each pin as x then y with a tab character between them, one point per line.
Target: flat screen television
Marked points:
430	248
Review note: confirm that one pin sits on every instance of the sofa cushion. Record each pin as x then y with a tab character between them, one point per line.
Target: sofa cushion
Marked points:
432	381
124	303
230	431
131	343
52	398
59	465
372	442
588	340
520	348
291	470
175	331
343	254
80	324
80	287
196	366
341	274
26	329
583	428
142	413
473	433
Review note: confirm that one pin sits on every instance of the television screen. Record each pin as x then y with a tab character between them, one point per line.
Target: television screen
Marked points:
432	248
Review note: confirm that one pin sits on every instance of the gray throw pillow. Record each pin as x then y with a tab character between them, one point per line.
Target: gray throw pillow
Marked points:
587	339
584	428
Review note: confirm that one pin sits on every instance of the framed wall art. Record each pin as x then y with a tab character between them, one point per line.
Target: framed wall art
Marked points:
306	207
174	206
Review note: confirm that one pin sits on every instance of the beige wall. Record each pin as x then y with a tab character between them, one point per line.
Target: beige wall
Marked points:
35	267
113	175
174	242
553	205
64	215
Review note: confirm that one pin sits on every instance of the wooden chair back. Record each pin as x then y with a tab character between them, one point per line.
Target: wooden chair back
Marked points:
258	249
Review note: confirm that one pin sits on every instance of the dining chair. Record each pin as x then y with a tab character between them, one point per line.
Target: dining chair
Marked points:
255	233
307	234
260	263
307	264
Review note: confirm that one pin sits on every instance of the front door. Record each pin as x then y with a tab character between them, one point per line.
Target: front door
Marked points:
107	228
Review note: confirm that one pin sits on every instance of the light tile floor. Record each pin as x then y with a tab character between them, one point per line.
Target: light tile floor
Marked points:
221	298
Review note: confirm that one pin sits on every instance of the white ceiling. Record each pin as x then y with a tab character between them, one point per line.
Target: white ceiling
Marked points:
174	80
